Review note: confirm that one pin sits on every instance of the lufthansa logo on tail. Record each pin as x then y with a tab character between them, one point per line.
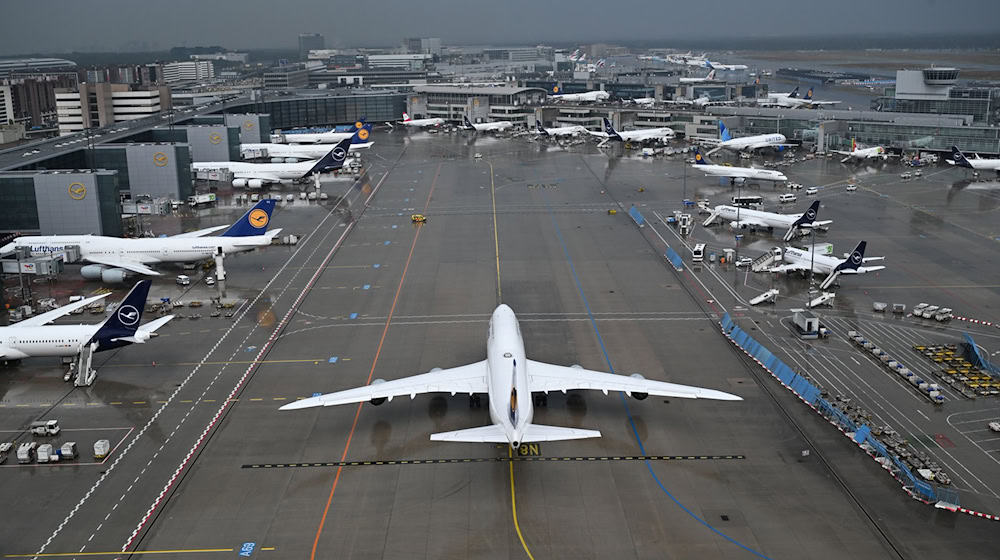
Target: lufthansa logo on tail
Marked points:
697	157
128	315
856	257
339	153
363	134
811	214
358	124
555	89
258	218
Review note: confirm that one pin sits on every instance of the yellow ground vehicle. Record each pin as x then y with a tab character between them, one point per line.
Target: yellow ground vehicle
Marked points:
418	218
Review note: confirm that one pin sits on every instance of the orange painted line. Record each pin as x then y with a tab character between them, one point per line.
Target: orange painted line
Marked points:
371	374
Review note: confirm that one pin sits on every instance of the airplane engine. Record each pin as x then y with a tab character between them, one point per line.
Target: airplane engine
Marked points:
255	183
381	400
739	225
277	160
291	160
239	182
113	276
639	396
92	271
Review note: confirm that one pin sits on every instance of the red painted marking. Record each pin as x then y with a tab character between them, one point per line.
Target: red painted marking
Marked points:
943	440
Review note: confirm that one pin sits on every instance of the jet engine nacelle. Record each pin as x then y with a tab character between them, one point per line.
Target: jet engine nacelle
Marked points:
739	225
103	273
380	400
277	160
292	160
638	396
239	182
255	183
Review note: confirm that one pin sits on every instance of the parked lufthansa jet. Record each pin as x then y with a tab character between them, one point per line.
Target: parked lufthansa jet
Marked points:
509	378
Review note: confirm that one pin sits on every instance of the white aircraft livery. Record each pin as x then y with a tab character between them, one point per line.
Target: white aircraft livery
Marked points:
800	259
114	257
745	218
746	143
420	123
256	175
736	173
573	130
332	137
861	154
585	97
291	153
34	337
493	126
509	378
661	134
977	163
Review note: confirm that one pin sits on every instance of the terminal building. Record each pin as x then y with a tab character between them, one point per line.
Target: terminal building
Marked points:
64	202
102	104
936	91
479	103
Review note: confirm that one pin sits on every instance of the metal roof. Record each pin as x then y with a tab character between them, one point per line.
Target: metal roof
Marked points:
475	90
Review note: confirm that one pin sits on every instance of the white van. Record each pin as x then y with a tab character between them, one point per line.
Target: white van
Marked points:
787	197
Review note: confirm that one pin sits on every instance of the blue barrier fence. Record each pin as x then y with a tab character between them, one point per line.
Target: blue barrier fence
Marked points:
812	395
674	259
977	358
639	220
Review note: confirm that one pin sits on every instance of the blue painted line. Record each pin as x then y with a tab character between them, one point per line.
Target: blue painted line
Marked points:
376	265
353	316
251	348
247	549
333	359
631	420
366	286
387	242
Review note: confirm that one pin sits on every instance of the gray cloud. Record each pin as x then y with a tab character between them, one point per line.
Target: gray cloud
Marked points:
63	25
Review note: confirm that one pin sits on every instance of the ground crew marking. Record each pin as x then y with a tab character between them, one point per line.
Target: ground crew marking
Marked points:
516	459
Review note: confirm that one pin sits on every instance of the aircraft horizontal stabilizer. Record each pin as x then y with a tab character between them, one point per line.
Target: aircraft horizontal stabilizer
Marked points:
483	434
538	432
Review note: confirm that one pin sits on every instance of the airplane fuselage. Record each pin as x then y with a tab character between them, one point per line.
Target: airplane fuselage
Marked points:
772	219
510	402
144	250
492	126
242	169
741	172
300	151
754	142
822	264
421	123
45	341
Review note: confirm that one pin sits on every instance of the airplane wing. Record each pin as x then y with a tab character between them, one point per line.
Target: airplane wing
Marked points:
469	379
550	377
201	232
759	145
753	222
134	266
254	175
861	269
49	316
792	267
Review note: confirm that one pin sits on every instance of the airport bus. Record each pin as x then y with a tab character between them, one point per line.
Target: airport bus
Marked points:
748	201
698	253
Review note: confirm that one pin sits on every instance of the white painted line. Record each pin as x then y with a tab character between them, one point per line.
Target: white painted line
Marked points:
924	415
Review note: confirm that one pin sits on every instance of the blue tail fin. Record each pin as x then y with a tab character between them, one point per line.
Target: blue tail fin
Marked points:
334	159
126	318
809	94
539	127
809	216
254	222
698	158
959	158
610	130
854	261
724	132
363	135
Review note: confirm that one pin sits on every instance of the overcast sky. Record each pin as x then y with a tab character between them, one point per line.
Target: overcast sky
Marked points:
66	25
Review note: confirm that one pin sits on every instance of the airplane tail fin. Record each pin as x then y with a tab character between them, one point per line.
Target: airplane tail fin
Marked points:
254	222
711	75
959	158
855	259
125	320
334	159
724	132
540	128
610	130
362	135
854	144
406	117
809	94
698	158
467	122
805	220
